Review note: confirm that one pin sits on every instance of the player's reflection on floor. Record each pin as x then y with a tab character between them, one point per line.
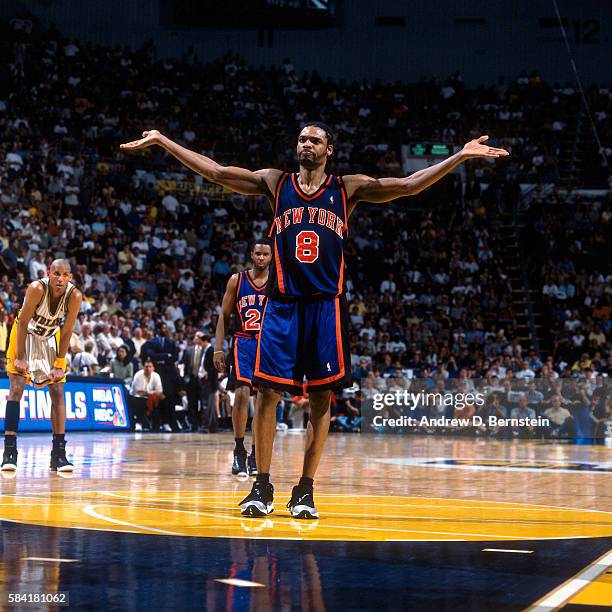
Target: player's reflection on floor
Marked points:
93	457
279	582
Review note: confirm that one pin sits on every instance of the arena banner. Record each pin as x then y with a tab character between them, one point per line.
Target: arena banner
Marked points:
92	403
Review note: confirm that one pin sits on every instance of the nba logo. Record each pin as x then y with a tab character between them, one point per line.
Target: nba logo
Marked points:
120	416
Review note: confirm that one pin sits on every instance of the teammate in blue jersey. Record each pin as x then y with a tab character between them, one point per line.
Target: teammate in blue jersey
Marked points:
303	329
244	296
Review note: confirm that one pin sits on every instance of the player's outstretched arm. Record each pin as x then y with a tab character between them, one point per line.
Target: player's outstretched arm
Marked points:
239	180
360	187
227	307
74	305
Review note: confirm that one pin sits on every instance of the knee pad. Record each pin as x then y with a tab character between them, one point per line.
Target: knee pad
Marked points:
11	419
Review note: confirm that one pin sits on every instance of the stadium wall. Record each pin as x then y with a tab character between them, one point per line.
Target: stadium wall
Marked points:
486	40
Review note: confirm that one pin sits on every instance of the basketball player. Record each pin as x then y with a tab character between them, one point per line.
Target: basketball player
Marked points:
303	328
37	355
245	294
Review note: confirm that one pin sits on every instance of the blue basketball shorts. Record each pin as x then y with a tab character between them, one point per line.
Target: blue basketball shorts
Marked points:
242	361
304	342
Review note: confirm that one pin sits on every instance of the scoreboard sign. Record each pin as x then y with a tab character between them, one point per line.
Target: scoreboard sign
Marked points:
419	155
92	403
430	149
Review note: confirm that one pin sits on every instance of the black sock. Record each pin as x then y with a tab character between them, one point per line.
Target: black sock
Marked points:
306	483
11	417
240	444
58	438
10	440
253	449
263	478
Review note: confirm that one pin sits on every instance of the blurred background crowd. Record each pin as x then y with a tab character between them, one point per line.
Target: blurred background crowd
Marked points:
478	277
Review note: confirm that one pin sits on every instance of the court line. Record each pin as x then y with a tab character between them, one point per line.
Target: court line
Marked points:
416	540
432	518
239	583
50	559
32	524
428	497
142	504
525	506
515	506
322	501
242	518
466	500
41	503
547	465
89	510
565	591
414	518
507	550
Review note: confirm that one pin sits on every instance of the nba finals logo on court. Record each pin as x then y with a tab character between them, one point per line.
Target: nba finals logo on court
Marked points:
506	465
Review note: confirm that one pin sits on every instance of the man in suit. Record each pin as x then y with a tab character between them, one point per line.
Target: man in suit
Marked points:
162	351
192	362
209	377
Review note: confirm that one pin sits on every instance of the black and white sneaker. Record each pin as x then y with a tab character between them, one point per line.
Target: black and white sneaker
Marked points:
239	466
301	504
9	459
260	501
59	462
252	464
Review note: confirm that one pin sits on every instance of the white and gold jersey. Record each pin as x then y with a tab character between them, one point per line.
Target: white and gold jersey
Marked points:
45	322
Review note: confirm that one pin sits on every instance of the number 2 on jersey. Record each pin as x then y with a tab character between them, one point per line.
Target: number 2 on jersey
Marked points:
251	322
307	246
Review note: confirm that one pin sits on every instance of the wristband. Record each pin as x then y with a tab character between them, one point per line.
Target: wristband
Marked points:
60	362
215	352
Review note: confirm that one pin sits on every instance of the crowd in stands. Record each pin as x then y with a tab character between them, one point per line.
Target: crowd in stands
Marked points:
571	257
152	246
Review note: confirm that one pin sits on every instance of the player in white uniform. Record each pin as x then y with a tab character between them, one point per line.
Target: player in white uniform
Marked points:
37	355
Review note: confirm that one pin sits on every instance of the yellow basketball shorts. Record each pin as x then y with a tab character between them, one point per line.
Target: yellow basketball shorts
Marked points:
40	355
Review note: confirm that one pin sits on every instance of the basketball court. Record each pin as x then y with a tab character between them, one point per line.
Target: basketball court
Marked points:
406	522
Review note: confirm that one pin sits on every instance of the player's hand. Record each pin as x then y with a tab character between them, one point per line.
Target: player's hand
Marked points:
57	374
219	361
477	148
150	138
21	365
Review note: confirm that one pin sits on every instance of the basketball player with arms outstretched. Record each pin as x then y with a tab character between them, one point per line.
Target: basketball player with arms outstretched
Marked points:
303	330
244	296
37	355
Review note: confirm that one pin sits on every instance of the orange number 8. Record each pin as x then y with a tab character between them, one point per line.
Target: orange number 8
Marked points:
307	246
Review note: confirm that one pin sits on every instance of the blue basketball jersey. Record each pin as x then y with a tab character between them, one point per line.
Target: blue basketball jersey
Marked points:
250	302
308	233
